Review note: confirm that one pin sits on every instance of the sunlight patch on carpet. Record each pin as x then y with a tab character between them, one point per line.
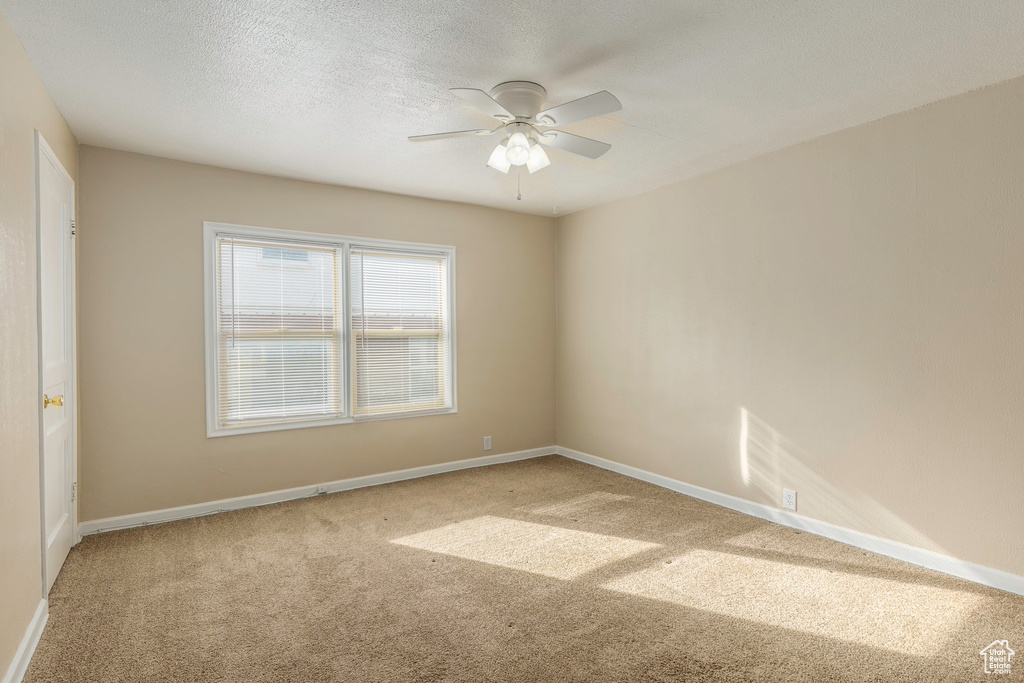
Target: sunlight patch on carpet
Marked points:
909	618
537	548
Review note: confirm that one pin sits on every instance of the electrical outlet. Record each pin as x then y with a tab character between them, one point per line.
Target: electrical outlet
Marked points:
789	499
487	443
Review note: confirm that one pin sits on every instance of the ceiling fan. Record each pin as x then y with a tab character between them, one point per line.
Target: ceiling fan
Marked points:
526	126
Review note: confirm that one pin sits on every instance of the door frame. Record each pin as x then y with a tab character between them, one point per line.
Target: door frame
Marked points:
45	154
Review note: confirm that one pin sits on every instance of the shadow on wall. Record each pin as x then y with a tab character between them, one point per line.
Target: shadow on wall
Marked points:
769	461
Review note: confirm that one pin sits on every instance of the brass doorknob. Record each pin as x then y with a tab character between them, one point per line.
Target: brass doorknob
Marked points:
55	401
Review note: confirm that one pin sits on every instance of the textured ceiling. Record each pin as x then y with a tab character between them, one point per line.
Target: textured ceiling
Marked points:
328	91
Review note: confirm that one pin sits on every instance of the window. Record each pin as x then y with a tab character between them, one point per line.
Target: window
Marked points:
399	331
307	330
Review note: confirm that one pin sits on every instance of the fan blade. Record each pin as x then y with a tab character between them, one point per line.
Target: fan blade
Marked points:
453	134
585	147
598	104
483	102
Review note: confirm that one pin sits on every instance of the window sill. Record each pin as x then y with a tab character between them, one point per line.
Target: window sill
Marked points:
215	432
400	416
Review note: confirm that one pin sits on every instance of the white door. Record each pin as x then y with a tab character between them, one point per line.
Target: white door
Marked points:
56	194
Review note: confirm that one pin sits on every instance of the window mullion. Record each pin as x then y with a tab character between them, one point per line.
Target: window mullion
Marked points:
345	329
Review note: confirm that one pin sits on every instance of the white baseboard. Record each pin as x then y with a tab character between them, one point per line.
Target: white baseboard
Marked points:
97	526
16	671
986	576
977	573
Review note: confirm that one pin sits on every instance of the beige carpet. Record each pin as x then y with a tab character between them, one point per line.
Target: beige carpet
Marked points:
542	570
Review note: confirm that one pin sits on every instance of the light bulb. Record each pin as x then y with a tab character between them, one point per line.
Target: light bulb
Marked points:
518	151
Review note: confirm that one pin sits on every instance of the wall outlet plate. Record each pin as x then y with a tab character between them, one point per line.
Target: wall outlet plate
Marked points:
487	443
789	499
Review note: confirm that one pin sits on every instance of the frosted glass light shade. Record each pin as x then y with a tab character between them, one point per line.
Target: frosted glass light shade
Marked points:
518	152
538	158
498	160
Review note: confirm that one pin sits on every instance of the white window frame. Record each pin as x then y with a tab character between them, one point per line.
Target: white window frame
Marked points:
212	230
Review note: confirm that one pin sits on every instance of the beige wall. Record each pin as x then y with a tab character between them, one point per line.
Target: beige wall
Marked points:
861	295
24	108
141	349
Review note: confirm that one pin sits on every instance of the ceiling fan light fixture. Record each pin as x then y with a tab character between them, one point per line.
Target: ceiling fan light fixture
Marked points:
499	161
518	108
538	158
518	151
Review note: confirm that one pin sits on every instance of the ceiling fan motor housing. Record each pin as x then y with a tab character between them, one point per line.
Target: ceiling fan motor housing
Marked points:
522	99
519	127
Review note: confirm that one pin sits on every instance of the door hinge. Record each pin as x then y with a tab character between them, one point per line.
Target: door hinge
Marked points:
74	490
72	227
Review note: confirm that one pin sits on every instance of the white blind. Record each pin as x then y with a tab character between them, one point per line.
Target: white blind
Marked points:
400	331
279	336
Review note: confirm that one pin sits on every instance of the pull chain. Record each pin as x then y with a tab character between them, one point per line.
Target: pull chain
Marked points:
519	183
